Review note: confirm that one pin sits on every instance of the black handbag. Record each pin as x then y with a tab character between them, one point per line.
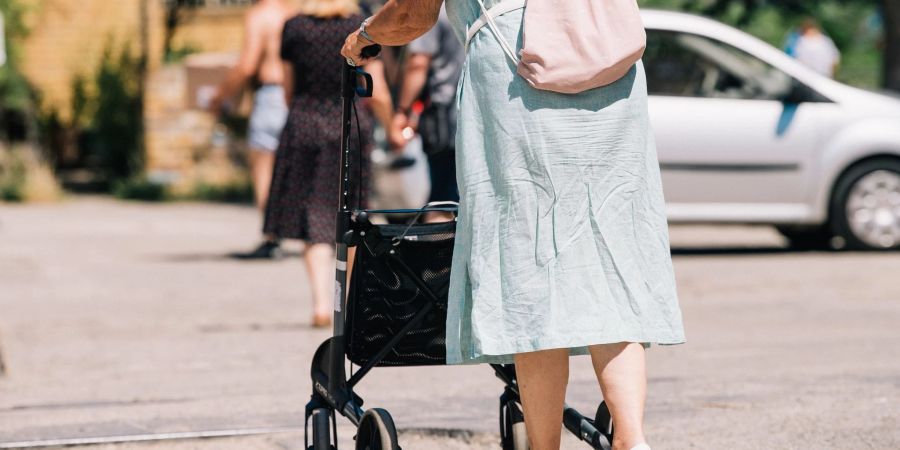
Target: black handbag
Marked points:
437	126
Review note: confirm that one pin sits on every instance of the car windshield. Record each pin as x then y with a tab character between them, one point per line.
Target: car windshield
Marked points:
683	64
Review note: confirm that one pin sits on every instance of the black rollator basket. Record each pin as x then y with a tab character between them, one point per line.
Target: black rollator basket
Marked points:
394	313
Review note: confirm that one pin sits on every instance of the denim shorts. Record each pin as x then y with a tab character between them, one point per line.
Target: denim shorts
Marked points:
268	118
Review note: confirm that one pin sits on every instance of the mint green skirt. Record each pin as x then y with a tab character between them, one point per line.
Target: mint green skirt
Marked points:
562	240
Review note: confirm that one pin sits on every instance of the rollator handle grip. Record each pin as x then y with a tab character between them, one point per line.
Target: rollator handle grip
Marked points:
350	84
371	51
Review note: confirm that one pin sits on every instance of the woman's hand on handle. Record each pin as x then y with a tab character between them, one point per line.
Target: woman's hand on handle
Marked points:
353	49
397	23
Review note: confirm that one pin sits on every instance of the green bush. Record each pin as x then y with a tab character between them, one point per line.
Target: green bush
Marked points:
233	192
12	176
178	54
17	98
140	188
107	115
143	189
12	181
25	176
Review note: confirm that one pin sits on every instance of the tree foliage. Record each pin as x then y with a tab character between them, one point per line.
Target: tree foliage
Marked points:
175	14
16	95
841	19
891	9
741	12
107	108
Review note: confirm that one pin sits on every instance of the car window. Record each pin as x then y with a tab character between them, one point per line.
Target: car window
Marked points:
688	65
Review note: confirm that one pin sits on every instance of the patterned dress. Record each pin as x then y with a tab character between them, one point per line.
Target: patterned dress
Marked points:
304	194
562	239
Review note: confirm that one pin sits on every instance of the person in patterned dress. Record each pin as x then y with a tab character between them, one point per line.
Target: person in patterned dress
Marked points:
303	198
260	64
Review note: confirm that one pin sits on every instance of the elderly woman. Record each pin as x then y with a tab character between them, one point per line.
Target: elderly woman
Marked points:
562	246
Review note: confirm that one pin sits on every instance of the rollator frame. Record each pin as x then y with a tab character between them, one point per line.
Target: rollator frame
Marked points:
332	390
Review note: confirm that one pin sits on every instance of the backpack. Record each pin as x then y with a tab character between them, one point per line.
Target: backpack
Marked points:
570	46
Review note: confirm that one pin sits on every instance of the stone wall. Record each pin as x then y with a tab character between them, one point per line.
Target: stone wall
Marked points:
218	29
68	38
187	146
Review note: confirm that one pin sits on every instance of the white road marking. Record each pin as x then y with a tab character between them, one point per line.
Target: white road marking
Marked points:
147	437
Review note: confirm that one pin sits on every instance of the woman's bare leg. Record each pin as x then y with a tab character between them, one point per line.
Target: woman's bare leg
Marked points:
622	373
320	267
262	162
542	378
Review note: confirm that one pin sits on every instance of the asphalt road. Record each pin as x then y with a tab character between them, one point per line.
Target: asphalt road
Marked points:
129	320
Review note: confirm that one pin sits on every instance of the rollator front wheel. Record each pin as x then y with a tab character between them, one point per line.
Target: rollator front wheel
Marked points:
321	428
513	434
376	431
603	421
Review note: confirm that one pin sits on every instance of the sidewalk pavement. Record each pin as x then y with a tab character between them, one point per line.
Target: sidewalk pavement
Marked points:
124	319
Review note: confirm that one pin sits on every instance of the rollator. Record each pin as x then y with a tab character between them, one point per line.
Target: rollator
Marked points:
394	314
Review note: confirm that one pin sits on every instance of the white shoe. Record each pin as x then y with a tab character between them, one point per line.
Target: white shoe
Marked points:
641	447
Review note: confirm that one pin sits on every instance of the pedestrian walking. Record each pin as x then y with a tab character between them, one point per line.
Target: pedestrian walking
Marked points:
303	198
433	65
562	243
812	47
260	65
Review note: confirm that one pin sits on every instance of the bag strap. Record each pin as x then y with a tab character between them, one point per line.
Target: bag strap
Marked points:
487	19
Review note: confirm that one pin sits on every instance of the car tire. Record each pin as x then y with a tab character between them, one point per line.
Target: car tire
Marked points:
865	207
807	238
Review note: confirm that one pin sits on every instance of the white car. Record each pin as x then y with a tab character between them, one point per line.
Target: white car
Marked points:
748	135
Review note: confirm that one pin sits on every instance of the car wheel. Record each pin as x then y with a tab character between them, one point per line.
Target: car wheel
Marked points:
807	238
866	206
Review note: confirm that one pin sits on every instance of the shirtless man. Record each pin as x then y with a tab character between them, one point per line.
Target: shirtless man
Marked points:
260	64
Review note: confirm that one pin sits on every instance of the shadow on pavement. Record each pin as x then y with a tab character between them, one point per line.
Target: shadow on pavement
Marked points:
254	327
232	256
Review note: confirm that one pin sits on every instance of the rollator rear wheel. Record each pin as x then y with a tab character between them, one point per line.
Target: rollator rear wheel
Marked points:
603	421
513	434
376	431
321	427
